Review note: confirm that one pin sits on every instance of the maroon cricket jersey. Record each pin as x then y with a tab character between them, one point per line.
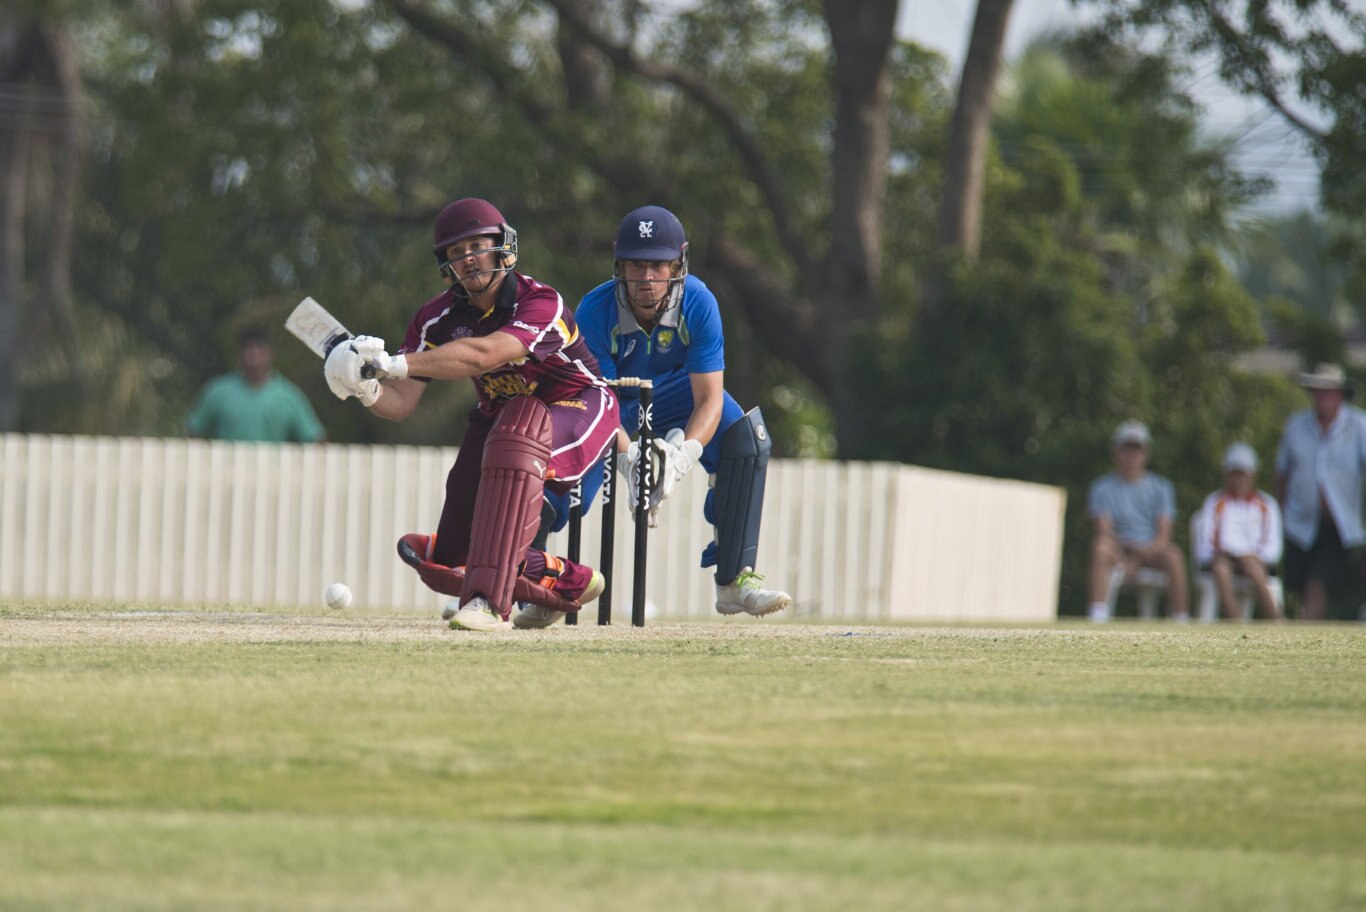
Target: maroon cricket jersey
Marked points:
560	366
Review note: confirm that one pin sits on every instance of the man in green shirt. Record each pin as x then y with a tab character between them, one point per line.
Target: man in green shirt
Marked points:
255	403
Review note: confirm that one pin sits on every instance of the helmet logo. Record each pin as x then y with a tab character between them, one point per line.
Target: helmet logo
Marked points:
646	228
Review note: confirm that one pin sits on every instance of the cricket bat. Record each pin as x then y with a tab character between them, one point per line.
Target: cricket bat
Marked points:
312	325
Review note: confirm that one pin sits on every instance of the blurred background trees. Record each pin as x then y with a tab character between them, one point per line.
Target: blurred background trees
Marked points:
981	271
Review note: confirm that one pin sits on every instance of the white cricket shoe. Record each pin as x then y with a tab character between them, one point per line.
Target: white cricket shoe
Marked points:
745	596
534	617
478	614
451	608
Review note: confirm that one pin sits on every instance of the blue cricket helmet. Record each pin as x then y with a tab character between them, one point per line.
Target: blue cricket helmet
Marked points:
651	233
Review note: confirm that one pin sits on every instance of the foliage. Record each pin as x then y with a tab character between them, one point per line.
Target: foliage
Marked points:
1099	295
260	150
1294	265
1305	59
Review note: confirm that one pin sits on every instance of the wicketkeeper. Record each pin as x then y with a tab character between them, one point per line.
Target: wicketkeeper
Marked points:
655	320
544	418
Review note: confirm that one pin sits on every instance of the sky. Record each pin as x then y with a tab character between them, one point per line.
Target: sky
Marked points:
1264	144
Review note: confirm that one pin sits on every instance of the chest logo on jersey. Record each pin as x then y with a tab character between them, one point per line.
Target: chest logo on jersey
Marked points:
505	386
461	332
664	339
630	347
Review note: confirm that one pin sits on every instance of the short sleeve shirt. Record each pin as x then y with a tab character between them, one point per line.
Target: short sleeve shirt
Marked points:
686	340
277	411
559	366
1135	507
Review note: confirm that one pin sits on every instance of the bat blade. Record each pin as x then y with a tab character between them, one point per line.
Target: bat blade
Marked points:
312	325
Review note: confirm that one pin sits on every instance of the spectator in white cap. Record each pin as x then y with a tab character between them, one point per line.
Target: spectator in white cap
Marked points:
1131	511
1319	469
1240	534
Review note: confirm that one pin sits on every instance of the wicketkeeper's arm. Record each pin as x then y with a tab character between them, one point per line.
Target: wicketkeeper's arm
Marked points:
708	395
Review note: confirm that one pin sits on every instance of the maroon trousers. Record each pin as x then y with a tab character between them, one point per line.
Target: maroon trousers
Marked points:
582	430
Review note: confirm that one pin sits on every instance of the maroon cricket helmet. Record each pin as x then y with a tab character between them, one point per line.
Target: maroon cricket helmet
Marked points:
466	218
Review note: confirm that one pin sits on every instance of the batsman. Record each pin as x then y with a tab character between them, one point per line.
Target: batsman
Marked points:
655	320
544	418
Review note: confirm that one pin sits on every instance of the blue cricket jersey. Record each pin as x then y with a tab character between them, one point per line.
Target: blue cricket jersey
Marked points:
687	340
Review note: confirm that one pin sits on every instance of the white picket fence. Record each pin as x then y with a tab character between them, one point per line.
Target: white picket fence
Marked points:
196	522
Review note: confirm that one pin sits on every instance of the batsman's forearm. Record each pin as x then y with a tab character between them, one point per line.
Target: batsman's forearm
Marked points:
465	357
398	399
440	364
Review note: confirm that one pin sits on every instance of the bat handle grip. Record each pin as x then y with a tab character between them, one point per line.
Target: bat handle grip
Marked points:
367	372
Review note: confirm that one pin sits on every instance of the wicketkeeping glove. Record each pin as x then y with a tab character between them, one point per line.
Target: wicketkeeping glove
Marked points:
679	455
628	464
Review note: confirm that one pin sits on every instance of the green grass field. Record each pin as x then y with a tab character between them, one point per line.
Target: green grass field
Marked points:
233	760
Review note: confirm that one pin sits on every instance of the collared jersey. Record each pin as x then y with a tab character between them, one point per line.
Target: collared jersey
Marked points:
686	340
1323	465
1239	526
560	365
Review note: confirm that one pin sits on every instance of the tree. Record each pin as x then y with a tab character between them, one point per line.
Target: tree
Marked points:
1306	59
805	261
1097	296
40	159
960	206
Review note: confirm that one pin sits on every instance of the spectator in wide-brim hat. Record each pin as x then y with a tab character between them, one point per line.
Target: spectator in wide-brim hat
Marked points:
1320	465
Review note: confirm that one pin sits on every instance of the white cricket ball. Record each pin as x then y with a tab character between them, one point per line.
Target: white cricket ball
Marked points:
338	595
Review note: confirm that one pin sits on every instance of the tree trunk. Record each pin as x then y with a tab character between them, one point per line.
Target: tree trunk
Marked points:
960	210
39	160
861	35
15	129
65	166
13	162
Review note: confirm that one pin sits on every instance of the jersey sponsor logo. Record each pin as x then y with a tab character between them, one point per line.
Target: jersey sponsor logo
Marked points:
646	227
505	386
664	339
527	326
572	403
630	347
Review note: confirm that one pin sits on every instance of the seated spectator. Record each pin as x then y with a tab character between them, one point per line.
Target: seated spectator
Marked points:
254	403
1240	534
1131	511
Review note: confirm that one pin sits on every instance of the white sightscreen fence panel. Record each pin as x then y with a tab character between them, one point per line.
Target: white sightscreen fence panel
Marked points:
196	522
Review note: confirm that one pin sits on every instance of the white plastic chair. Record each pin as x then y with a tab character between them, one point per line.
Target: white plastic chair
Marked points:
1207	591
1148	585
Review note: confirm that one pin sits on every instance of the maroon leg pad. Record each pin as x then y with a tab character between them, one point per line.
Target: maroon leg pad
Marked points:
507	510
415	550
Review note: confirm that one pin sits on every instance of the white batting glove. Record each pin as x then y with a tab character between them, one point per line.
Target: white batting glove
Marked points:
342	369
368	345
391	367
